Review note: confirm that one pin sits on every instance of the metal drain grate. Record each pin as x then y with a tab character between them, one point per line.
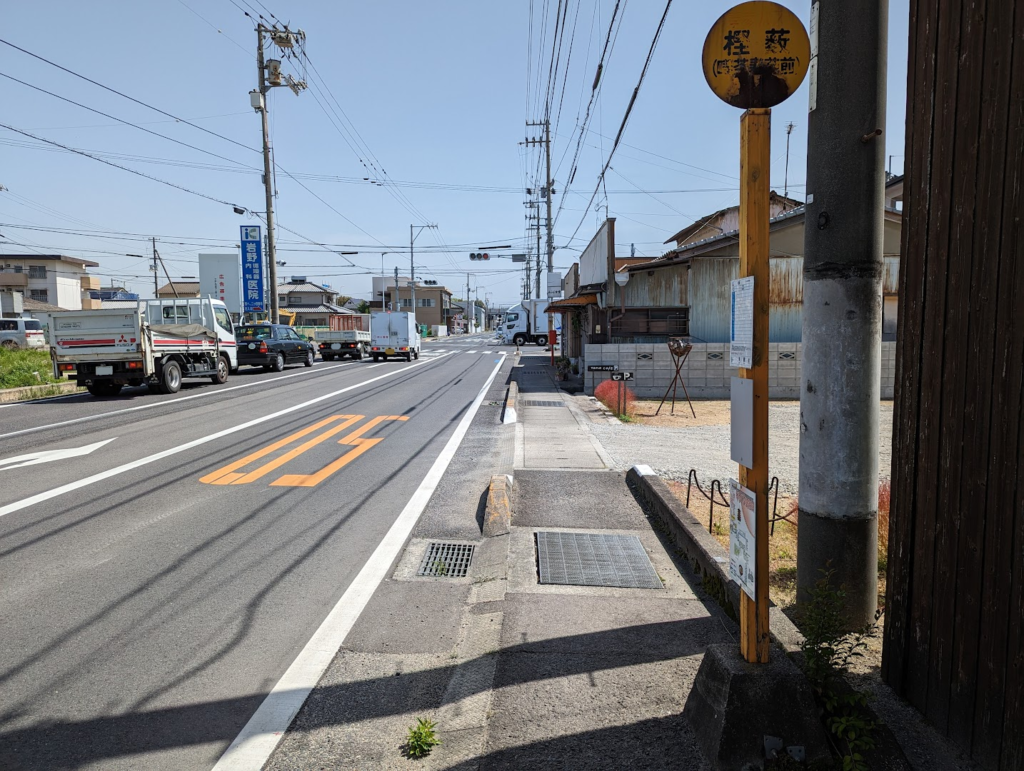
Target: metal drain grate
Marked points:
446	560
541	403
591	559
535	372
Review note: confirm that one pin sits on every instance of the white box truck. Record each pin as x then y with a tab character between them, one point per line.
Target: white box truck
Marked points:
339	343
394	334
526	323
159	343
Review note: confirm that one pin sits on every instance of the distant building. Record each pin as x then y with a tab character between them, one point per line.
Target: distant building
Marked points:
107	293
433	303
312	304
54	279
178	289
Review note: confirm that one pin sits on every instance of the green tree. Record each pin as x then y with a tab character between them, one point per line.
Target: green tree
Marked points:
364	307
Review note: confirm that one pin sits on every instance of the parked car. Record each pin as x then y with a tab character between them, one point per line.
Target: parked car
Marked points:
21	333
272	346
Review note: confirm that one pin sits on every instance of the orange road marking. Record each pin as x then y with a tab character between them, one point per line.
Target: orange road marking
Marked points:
230	474
227	475
359	446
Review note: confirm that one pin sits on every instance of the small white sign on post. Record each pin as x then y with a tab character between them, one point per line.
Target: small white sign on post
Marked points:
554	285
742	538
741	323
741	421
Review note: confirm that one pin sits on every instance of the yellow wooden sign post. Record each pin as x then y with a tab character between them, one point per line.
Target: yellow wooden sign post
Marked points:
755	56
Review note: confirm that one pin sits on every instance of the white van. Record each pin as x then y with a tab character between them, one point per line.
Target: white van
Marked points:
21	333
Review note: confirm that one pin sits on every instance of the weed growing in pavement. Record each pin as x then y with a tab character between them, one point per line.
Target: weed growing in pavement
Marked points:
422	738
440	568
828	652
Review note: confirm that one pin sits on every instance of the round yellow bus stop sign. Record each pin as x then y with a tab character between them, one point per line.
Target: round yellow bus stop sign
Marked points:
756	55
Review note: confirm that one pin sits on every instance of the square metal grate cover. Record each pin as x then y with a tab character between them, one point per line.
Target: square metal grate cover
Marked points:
446	560
592	559
542	403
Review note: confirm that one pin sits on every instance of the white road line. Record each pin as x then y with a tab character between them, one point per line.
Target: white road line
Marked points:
171	401
72	486
261	735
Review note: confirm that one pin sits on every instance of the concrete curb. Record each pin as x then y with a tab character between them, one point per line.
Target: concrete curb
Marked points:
709	560
498	515
32	392
508	414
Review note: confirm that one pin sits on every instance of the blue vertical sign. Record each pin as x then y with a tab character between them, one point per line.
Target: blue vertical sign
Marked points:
252	269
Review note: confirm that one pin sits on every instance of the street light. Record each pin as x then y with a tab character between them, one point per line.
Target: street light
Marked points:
414	230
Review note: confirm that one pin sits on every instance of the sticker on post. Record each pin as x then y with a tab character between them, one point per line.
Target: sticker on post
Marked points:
741	323
742	538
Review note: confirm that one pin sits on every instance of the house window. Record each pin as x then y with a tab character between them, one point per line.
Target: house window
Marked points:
37	271
644	322
406	302
39	295
282	299
426	302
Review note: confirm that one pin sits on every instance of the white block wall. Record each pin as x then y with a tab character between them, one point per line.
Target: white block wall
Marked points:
706	372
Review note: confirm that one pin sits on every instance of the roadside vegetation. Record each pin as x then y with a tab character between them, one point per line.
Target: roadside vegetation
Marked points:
25	368
782	545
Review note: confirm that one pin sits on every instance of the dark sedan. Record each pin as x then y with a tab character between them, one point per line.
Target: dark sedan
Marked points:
272	346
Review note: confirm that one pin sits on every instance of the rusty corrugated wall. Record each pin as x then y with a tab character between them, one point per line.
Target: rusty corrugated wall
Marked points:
709	298
663	288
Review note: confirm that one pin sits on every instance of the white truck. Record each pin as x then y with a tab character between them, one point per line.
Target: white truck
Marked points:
394	334
159	343
525	323
337	344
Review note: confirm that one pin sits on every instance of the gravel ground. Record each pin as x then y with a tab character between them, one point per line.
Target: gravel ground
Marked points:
673	451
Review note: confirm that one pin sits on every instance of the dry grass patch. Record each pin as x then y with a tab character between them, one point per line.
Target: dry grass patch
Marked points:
709	413
782	545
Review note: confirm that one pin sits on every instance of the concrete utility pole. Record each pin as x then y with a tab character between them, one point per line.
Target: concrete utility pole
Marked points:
412	263
842	303
548	192
396	304
269	76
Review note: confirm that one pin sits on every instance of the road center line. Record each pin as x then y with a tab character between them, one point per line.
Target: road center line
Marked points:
170	401
257	740
72	486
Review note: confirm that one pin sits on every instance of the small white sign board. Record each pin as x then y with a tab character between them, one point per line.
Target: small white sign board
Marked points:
554	285
741	323
741	421
742	538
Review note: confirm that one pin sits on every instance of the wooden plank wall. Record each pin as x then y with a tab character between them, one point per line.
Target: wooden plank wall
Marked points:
954	636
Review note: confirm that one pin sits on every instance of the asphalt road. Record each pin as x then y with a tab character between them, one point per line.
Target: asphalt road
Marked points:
155	589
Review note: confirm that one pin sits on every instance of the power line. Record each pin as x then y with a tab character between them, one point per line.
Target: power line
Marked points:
129	98
123	168
629	109
127	123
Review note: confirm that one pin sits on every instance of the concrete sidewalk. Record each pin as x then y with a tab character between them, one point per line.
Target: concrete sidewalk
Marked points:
517	674
550	432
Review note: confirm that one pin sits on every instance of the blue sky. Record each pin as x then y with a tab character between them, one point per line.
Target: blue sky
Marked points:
435	95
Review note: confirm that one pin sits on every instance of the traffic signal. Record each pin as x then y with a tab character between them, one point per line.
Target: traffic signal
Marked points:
479	256
429	283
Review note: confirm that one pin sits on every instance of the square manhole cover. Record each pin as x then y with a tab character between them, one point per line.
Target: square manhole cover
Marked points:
593	559
446	560
542	403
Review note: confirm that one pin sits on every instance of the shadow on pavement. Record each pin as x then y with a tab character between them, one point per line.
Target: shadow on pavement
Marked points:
74	744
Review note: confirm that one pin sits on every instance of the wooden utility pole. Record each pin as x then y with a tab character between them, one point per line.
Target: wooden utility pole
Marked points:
755	165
